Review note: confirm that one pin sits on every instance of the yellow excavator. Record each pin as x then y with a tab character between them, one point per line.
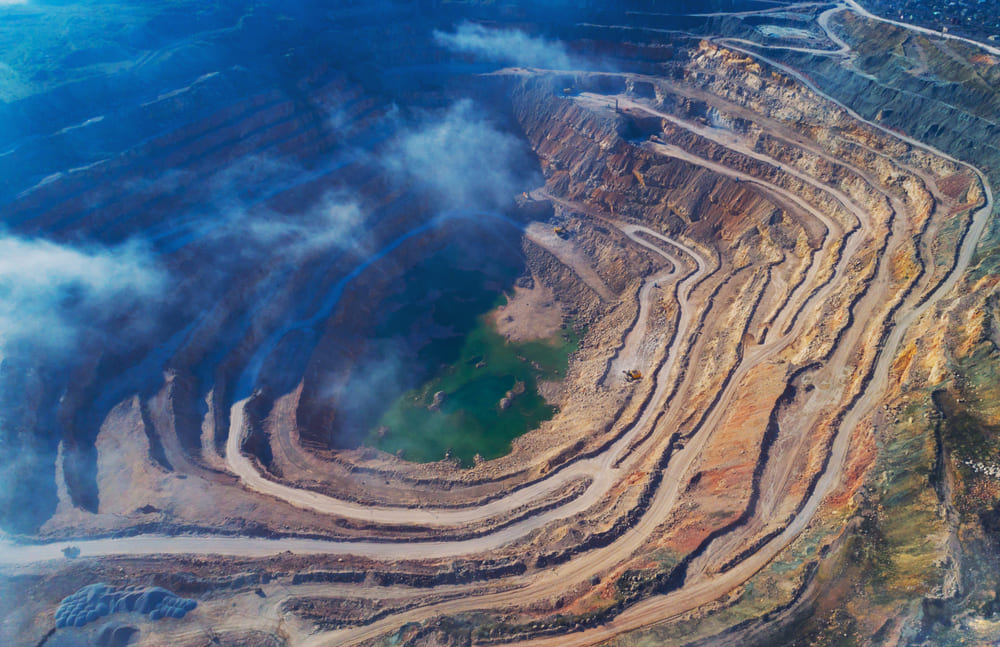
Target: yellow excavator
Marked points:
633	375
561	232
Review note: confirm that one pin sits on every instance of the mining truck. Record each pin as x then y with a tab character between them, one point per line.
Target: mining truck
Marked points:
633	375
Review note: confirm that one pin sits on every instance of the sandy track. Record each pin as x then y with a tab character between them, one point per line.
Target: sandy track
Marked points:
600	467
628	357
823	20
664	608
569	256
243	467
697	591
857	8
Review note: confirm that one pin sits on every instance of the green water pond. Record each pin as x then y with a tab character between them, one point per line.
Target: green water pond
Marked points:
469	419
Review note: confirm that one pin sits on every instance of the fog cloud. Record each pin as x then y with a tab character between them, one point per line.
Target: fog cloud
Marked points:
49	292
336	223
506	46
466	161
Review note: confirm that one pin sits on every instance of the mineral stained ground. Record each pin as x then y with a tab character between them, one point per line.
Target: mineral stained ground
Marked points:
470	323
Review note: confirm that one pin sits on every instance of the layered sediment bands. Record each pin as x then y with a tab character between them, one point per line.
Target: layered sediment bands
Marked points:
779	270
958	74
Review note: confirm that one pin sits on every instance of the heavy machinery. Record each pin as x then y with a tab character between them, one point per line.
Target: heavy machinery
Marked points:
561	232
633	375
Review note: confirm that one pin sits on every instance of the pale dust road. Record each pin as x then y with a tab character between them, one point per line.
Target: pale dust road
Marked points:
599	468
557	580
857	8
569	256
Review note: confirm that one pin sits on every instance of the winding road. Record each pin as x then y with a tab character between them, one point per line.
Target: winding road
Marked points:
606	471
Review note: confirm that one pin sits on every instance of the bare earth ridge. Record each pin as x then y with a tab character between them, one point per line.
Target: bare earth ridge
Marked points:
770	259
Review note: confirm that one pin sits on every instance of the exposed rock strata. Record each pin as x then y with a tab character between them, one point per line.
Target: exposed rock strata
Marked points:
790	238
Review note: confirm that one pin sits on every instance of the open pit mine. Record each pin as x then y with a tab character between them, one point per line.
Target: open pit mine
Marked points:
421	323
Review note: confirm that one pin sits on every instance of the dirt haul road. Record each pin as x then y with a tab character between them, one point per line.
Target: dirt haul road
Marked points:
698	592
600	468
579	568
702	586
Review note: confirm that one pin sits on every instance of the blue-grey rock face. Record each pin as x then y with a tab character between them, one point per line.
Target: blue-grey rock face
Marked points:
114	634
98	600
